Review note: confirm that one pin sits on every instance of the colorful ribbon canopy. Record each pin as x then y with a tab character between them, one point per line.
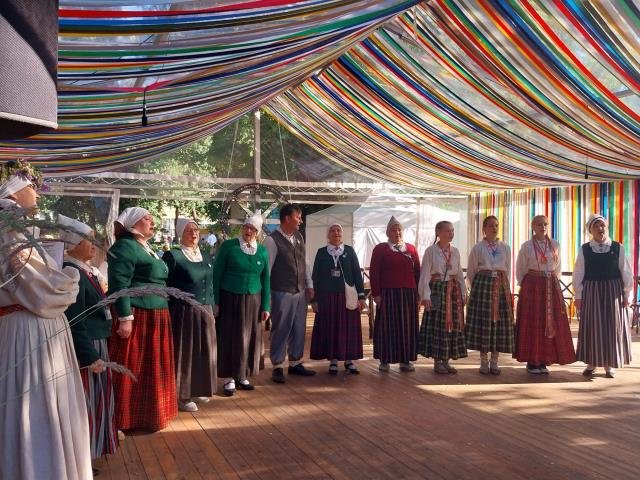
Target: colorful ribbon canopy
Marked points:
462	95
198	69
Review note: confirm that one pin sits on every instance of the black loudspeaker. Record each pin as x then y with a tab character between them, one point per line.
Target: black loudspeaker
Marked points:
28	67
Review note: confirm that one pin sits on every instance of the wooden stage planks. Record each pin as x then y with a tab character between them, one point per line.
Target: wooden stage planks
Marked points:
403	425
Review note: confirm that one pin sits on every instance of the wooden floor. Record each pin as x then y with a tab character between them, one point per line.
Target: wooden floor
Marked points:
403	425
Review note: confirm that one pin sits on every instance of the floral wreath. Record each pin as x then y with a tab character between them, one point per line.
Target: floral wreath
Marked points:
24	170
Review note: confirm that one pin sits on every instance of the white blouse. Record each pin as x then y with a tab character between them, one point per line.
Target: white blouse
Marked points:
434	263
623	265
527	259
482	258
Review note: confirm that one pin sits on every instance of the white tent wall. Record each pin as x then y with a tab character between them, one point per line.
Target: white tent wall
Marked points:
365	226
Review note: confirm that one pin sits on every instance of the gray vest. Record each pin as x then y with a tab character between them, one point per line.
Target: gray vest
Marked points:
288	271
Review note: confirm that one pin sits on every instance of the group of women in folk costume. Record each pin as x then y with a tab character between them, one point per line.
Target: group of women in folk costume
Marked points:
602	275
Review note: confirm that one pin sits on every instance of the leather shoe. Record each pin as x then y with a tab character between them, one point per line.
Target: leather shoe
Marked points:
299	369
244	386
277	375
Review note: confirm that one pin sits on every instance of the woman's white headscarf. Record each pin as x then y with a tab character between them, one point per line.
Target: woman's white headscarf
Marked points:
335	250
14	184
78	226
593	218
130	216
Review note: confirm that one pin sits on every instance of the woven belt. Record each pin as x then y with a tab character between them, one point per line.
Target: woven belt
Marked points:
501	282
550	284
8	309
448	305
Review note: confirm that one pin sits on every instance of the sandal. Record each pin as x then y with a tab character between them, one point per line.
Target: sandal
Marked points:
351	368
333	369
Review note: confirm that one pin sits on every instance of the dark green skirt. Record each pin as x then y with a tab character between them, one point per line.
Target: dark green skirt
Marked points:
481	332
434	339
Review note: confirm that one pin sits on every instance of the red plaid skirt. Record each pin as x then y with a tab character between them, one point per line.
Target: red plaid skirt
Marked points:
150	403
532	345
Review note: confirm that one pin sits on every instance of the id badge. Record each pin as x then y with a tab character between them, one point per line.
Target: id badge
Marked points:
107	314
494	274
335	272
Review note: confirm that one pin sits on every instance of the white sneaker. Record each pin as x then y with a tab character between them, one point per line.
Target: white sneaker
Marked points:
187	406
201	399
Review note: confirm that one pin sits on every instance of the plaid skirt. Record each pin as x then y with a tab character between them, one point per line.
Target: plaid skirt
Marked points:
337	331
481	332
151	402
542	328
240	335
604	334
396	326
435	340
98	393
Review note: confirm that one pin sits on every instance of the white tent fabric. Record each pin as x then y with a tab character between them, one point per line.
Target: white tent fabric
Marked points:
365	226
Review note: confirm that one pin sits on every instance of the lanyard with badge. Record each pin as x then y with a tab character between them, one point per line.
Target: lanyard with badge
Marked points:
336	271
493	249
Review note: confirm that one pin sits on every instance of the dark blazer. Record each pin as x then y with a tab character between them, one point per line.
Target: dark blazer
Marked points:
324	282
93	326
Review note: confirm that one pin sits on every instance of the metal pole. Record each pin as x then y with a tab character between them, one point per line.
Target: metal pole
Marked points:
256	156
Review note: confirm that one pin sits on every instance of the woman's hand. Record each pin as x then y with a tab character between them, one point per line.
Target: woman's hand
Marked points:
97	366
578	303
625	302
216	310
314	307
264	316
125	328
362	305
426	304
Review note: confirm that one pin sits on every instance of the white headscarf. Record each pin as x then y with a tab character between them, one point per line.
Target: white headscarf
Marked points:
335	250
130	216
14	184
255	221
70	237
181	224
593	218
193	254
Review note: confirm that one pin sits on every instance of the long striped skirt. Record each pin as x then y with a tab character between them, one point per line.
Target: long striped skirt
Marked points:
439	337
98	392
240	335
542	328
396	326
194	350
151	402
489	329
337	331
604	334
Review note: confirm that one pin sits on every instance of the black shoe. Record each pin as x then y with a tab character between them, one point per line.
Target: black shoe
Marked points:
228	392
244	386
351	368
278	375
333	369
96	472
300	370
588	372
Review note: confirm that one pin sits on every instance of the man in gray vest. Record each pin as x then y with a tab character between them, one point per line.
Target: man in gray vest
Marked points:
291	289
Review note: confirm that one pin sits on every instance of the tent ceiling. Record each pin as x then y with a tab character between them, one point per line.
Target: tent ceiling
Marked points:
451	95
201	65
466	95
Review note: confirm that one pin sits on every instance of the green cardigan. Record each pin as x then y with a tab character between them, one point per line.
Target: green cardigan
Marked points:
324	282
237	272
93	326
191	277
133	266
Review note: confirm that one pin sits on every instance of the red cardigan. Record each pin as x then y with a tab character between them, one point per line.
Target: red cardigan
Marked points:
390	269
